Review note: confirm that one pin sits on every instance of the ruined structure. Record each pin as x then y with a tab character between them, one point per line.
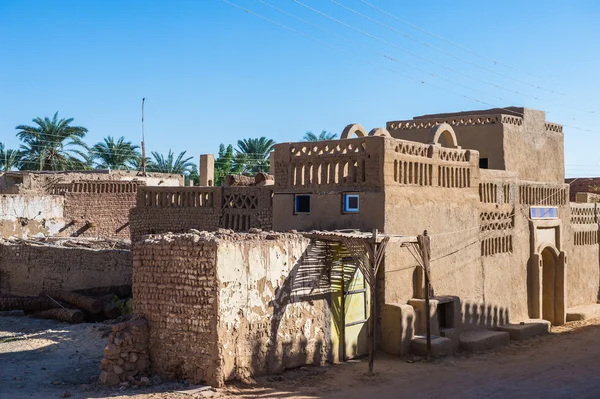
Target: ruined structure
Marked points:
32	267
86	203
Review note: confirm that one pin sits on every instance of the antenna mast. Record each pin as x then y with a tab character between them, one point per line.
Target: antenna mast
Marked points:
143	141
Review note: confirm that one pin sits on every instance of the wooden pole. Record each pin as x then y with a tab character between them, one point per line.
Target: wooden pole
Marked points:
372	305
425	245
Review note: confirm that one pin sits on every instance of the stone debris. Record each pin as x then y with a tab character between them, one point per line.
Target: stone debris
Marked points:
126	361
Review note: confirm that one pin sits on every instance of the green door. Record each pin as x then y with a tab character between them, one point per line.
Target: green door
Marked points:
356	311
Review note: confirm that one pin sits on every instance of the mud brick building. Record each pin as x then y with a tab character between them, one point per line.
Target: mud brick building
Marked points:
507	245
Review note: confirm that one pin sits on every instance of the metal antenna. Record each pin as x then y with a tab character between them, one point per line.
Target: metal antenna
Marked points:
143	141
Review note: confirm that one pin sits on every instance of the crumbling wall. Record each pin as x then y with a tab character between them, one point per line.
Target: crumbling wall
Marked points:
175	289
29	269
126	355
224	306
98	209
28	215
44	182
271	315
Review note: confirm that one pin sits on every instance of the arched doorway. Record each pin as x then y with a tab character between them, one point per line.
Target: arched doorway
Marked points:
549	285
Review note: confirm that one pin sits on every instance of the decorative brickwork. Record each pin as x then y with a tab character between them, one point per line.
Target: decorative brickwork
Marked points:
543	194
179	209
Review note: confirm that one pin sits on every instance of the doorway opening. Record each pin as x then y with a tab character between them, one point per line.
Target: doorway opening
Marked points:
551	285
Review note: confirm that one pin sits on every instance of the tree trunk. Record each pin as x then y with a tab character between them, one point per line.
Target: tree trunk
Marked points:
239	180
72	316
110	310
90	304
26	303
263	179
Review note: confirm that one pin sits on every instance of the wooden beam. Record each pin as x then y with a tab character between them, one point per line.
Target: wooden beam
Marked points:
425	246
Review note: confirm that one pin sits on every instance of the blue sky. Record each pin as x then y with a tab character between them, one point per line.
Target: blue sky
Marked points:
213	74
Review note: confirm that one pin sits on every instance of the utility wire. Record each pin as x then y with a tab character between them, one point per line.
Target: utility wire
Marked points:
438	49
377	65
430	60
388	57
496	62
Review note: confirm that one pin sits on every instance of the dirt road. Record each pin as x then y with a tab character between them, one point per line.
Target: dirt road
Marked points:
45	359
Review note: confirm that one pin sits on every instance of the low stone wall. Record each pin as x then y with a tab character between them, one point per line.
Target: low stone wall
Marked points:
29	269
224	306
126	357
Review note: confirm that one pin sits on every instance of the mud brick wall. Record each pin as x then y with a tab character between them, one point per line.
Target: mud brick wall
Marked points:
273	312
174	288
29	269
160	210
126	355
98	209
223	306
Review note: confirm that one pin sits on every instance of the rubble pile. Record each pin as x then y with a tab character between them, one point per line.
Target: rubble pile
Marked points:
126	361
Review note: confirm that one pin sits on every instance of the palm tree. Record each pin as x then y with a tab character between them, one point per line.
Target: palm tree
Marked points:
324	136
52	145
9	159
115	155
255	154
227	163
170	164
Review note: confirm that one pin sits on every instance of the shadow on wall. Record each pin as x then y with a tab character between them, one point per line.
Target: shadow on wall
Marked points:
309	285
484	315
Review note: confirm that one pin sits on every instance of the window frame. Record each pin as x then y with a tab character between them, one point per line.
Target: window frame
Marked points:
345	200
296	212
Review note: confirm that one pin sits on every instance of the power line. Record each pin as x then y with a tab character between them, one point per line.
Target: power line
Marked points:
429	60
496	62
405	50
373	63
438	49
388	57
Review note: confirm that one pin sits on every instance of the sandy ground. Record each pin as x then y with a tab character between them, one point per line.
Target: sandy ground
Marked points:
45	359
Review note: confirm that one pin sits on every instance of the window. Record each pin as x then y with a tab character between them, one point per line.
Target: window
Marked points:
351	203
302	204
483	163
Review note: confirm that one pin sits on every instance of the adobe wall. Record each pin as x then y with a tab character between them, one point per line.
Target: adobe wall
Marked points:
25	216
583	185
326	170
163	209
29	269
97	209
36	182
535	149
513	139
481	245
175	289
583	278
270	316
228	306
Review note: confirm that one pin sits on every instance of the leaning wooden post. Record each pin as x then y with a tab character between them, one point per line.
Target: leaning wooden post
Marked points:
372	316
425	245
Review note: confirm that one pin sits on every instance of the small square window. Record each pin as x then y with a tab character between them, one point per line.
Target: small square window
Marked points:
483	163
302	204
351	203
